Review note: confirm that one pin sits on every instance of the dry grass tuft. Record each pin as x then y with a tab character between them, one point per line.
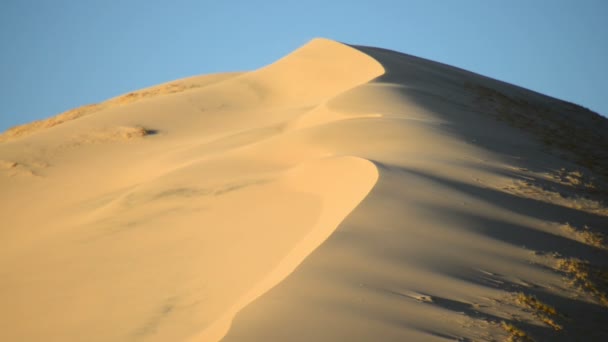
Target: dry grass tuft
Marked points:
515	333
590	278
533	303
586	236
541	310
164	89
550	322
33	127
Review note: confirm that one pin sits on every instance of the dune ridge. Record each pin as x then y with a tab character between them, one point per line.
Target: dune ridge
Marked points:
244	162
72	114
317	177
341	193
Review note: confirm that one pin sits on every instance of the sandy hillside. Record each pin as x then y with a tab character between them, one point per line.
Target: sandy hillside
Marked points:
342	193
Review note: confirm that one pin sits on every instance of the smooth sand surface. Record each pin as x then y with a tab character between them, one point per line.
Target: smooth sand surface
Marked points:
342	193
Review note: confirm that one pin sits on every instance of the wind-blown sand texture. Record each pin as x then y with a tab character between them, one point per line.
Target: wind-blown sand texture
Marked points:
342	193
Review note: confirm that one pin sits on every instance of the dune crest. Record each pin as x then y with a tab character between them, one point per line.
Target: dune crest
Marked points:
318	70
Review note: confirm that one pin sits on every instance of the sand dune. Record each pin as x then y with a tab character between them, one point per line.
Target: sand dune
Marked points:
341	193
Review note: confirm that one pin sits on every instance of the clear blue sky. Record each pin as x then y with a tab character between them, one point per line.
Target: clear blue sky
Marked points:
60	54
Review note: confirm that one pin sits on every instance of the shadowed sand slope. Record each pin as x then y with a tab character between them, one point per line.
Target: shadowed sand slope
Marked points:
341	193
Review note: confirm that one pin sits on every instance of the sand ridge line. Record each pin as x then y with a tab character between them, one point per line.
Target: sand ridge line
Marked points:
178	86
341	183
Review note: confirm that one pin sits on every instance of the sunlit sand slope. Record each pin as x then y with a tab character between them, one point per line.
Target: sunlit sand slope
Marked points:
159	214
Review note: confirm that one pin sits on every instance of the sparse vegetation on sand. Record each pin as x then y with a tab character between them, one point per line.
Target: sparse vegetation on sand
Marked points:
588	277
574	131
532	302
72	114
562	188
163	89
33	127
586	235
576	179
515	333
544	312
